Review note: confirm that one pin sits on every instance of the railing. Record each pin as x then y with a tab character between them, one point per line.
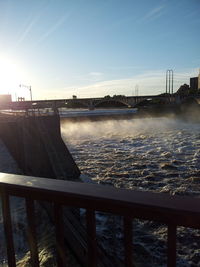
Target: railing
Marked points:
171	210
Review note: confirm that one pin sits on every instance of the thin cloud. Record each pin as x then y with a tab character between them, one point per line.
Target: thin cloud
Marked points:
27	30
149	83
33	21
93	76
125	68
57	25
153	14
96	73
120	22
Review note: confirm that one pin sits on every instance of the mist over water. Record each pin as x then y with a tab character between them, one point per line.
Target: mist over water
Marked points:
81	131
152	154
121	128
144	154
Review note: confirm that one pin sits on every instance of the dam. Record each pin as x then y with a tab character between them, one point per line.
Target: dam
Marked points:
35	143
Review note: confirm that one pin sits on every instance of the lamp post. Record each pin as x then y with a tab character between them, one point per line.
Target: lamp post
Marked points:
28	87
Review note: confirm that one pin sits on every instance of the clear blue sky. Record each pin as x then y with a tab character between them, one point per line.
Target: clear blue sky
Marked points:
97	47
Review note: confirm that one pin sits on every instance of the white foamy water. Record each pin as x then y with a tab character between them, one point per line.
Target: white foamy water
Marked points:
159	154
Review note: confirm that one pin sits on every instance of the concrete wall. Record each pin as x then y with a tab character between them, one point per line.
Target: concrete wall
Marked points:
37	146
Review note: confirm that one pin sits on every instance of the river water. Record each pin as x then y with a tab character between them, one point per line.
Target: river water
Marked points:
151	154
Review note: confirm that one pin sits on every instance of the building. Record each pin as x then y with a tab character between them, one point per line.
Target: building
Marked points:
194	83
5	99
199	80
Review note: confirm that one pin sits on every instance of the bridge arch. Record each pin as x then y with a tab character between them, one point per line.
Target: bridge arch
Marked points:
76	104
150	101
111	103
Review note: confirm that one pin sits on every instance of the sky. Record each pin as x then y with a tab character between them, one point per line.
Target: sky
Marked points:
93	48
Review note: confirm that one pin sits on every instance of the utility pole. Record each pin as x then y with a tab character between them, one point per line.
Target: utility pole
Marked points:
30	90
136	90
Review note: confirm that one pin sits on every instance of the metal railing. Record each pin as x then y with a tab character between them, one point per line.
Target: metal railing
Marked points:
171	210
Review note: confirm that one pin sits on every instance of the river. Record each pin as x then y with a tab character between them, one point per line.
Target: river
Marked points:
151	154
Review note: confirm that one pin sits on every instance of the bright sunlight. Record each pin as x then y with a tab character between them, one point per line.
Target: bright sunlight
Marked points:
11	76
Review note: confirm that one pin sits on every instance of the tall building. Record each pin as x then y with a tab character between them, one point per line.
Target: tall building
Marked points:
194	83
199	80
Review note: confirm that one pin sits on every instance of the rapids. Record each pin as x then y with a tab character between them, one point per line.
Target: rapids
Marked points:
151	154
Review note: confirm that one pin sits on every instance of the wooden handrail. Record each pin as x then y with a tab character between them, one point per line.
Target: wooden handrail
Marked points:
180	210
171	210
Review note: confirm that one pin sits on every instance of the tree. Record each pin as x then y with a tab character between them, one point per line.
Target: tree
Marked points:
107	96
183	89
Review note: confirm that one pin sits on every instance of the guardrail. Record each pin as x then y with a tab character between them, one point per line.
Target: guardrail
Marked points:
171	210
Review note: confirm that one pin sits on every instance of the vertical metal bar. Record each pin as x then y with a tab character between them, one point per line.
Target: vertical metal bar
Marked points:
91	238
169	82
172	82
128	241
31	232
60	243
171	242
8	229
166	80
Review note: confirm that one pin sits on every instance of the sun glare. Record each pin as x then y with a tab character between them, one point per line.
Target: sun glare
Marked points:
11	75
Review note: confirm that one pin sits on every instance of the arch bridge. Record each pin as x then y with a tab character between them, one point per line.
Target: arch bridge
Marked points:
99	102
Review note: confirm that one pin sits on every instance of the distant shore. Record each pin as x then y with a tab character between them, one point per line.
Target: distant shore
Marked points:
192	115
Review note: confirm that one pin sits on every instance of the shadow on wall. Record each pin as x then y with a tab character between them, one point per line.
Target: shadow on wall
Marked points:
37	147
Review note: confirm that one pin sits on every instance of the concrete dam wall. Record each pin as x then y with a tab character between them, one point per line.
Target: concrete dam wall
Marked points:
37	146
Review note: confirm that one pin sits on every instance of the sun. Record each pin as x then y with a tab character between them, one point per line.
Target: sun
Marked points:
11	75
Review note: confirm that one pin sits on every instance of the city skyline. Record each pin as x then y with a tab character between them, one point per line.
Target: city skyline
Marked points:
97	48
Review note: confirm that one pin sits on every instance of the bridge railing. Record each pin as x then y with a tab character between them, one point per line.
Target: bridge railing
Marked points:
171	210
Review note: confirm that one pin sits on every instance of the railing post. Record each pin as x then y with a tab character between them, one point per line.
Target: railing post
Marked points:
91	238
171	242
128	241
59	228
31	232
8	228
